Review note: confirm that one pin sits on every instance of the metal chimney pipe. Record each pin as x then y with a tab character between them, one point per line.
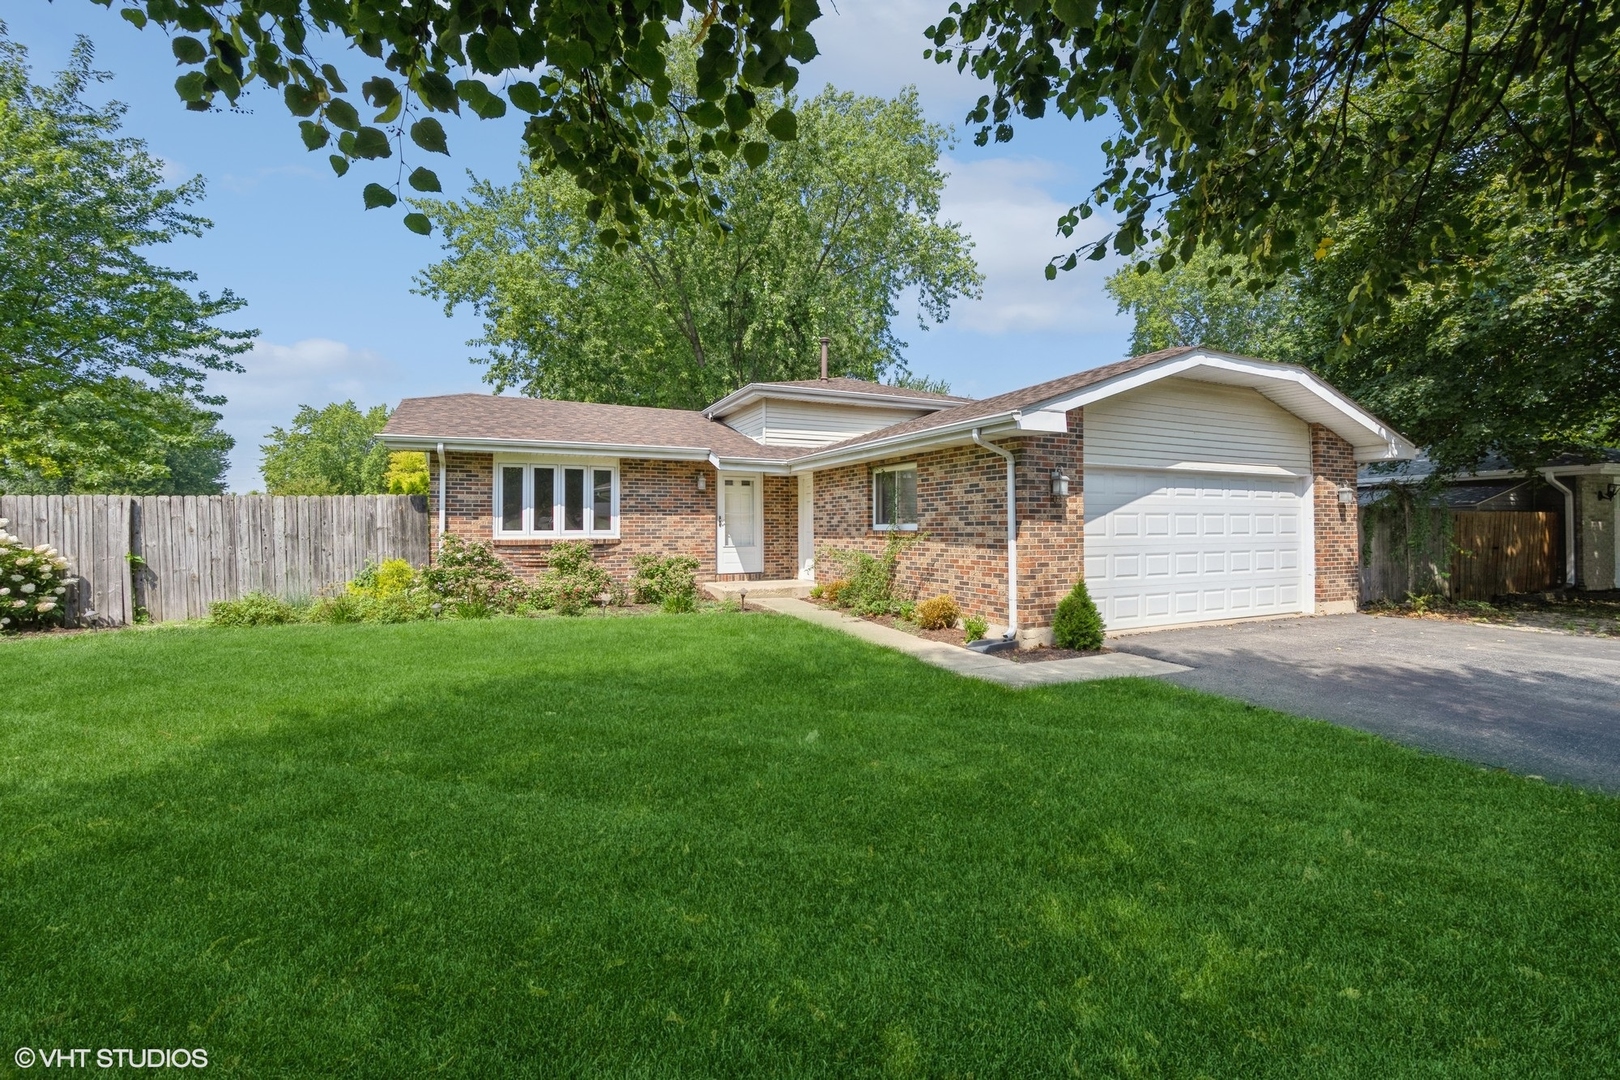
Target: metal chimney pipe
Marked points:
824	342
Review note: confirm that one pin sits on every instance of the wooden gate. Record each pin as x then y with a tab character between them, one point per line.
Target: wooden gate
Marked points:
1501	551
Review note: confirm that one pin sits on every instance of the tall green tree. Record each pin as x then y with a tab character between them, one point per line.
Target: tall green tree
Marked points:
1528	368
328	451
824	238
103	352
1276	131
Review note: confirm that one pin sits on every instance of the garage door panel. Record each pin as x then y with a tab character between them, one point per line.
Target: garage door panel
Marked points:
1230	544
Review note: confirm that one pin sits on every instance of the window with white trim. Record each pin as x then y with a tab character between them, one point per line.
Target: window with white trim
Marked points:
556	500
894	497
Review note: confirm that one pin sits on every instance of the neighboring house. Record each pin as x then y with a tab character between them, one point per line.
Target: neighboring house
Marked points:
1580	491
1185	485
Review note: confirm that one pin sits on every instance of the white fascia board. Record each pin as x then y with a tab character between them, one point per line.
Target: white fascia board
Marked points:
1378	443
774	466
997	425
739	399
535	446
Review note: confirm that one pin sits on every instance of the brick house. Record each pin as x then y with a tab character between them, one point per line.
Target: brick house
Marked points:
1185	486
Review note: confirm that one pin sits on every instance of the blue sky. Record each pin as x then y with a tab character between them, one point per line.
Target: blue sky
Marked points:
328	285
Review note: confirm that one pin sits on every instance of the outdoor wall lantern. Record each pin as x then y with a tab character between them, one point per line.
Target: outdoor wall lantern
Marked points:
1607	494
703	482
1347	494
1060	482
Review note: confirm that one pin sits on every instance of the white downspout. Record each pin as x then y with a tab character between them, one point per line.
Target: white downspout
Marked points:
1569	526
443	472
1012	533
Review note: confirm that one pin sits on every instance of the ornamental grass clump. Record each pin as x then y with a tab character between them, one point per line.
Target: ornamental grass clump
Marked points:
254	609
32	584
937	613
1078	624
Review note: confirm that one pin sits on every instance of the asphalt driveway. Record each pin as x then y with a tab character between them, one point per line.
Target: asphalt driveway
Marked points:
1536	703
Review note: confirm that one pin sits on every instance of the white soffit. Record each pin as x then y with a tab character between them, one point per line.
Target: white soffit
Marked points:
1293	388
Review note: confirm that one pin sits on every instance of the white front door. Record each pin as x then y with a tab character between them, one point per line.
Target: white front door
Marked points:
740	526
1164	548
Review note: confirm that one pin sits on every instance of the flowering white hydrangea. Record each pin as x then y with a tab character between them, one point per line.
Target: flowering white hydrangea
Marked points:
35	578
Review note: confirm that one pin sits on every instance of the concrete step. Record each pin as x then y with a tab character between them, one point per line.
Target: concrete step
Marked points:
731	590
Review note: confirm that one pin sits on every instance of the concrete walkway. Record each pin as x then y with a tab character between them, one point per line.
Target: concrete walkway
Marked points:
974	665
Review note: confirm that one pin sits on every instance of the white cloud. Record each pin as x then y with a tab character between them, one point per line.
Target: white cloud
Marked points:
878	48
1005	205
280	378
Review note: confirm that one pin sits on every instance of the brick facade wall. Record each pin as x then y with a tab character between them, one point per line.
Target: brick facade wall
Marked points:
961	510
1338	544
661	512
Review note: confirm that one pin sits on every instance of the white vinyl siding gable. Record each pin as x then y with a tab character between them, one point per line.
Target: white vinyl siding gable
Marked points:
804	423
1199	427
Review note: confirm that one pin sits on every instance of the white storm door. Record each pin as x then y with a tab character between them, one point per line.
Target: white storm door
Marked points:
1164	548
740	526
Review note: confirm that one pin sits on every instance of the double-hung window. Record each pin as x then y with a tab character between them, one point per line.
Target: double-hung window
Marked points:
556	500
894	497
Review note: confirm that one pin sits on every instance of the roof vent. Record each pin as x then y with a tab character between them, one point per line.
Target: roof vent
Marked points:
824	341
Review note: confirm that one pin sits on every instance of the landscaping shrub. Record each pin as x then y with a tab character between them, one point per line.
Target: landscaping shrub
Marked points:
833	590
254	609
670	582
32	584
907	610
390	578
574	581
867	581
938	613
974	627
469	571
343	608
1078	624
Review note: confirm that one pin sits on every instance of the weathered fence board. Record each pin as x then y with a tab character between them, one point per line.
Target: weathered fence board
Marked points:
1462	555
191	550
92	532
1499	551
199	549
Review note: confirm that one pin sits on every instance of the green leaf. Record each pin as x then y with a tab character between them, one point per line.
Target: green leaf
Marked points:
419	223
192	87
376	195
428	133
438	92
783	125
301	100
504	50
332	77
135	16
525	95
314	135
479	98
343	114
755	153
424	180
340	164
188	50
371	143
706	114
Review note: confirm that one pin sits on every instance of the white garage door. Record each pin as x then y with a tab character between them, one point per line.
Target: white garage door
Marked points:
1165	548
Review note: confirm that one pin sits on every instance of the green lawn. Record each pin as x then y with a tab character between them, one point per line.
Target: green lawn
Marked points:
739	845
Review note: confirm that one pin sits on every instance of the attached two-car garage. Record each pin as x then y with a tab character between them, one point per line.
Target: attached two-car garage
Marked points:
1197	506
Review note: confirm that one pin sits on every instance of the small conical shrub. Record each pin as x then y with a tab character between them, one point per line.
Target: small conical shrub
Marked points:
1078	624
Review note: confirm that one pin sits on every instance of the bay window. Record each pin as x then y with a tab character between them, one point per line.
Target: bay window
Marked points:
556	500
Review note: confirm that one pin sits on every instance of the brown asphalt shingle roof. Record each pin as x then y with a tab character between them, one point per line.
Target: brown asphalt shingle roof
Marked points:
485	416
521	419
861	386
1014	399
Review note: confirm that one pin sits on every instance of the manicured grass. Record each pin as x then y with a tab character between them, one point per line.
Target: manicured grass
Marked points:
738	845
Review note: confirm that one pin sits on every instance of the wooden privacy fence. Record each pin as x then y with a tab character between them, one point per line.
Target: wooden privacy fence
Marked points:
174	555
92	531
1462	555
